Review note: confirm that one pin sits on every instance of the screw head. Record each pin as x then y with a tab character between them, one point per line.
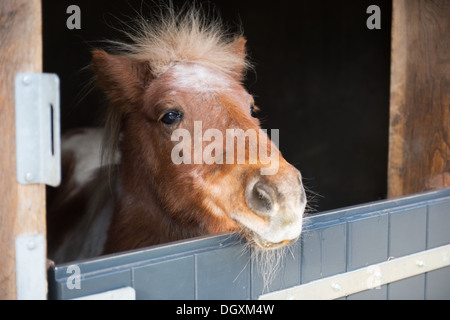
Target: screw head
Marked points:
26	80
336	287
29	176
421	263
378	275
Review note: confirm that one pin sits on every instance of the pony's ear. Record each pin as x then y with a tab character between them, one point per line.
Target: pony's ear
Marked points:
238	48
122	79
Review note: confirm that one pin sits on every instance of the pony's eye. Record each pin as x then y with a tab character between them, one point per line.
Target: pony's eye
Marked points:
172	117
253	110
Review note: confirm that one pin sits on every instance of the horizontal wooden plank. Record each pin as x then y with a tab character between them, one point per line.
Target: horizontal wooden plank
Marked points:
368	278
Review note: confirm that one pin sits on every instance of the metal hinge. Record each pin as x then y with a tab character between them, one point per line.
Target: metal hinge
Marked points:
31	274
38	150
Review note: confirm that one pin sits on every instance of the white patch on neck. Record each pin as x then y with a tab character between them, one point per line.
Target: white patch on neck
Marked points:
86	147
199	78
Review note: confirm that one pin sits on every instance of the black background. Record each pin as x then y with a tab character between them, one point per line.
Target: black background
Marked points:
321	77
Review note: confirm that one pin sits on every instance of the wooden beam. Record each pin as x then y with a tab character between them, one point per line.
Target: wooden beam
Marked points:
22	207
419	142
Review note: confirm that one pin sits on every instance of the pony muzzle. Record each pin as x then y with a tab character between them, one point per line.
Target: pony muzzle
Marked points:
276	210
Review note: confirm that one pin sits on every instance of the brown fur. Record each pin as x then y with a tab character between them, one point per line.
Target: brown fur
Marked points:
156	201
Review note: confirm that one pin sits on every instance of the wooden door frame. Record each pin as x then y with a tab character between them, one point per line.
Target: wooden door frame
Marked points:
419	133
22	207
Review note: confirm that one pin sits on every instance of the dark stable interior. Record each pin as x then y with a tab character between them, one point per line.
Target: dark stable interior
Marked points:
321	77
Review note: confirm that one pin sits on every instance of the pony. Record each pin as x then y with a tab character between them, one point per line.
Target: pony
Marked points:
121	189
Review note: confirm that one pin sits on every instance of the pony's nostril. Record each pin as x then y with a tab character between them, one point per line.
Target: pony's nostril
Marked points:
263	198
260	199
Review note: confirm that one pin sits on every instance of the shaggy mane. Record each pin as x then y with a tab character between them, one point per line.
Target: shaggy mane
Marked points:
187	36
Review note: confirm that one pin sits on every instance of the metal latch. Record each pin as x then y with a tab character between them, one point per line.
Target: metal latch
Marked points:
38	150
